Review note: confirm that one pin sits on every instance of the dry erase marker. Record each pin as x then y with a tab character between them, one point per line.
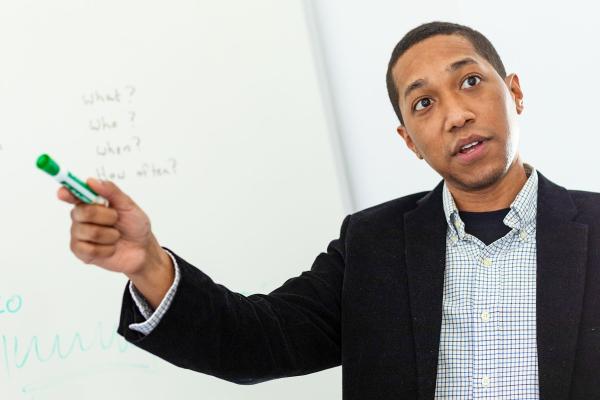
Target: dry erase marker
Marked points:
79	189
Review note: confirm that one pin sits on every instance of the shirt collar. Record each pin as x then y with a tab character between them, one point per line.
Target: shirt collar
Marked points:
522	212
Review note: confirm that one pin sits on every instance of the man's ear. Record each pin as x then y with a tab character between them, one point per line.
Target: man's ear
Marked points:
408	140
514	87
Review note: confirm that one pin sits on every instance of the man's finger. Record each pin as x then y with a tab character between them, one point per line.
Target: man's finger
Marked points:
94	214
66	196
110	191
96	234
90	253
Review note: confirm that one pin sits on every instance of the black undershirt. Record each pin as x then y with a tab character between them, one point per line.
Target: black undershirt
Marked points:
486	226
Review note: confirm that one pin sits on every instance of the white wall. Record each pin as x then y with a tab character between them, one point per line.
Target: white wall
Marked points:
553	49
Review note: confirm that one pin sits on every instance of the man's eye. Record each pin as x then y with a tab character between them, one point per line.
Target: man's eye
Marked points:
423	103
471	81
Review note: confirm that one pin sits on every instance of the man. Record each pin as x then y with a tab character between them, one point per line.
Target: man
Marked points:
486	287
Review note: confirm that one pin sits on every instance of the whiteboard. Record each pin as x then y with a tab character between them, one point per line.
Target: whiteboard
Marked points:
212	117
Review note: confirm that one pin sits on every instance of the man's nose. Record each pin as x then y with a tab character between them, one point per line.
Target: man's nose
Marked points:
457	115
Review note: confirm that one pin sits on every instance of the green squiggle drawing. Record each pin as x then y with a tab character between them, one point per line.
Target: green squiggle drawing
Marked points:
62	348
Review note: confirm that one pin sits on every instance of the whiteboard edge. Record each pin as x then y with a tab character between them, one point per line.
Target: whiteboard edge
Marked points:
331	116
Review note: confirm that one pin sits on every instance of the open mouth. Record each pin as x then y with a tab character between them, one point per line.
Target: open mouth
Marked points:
468	148
473	151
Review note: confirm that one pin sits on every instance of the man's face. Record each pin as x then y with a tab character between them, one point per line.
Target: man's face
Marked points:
453	94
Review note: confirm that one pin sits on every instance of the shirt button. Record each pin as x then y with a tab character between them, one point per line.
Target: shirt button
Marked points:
523	235
453	239
485	316
485	381
487	262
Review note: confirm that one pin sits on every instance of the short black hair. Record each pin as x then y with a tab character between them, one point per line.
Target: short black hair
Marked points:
480	43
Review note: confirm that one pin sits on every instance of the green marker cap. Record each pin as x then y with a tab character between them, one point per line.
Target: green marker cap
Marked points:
47	164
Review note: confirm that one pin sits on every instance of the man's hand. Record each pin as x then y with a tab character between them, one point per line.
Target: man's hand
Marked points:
119	238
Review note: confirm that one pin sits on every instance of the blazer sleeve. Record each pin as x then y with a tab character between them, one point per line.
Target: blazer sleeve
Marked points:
294	330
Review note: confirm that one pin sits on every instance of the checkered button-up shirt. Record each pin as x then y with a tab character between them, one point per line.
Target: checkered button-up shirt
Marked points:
488	347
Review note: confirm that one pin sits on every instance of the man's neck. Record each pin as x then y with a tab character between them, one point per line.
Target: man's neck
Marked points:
495	197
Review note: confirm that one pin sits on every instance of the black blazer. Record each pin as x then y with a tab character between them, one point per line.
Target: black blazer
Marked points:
373	303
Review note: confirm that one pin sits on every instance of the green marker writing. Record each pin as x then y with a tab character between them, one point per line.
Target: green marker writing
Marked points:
76	186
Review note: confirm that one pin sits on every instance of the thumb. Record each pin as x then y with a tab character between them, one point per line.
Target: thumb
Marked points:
111	192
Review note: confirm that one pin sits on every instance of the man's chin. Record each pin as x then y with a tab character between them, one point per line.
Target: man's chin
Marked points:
480	179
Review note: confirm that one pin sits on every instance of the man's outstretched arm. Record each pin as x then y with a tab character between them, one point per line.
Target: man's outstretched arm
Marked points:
294	330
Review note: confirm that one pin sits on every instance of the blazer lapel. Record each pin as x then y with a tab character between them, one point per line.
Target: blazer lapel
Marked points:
561	261
425	241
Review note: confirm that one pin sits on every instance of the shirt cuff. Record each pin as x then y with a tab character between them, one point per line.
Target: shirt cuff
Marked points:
153	317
